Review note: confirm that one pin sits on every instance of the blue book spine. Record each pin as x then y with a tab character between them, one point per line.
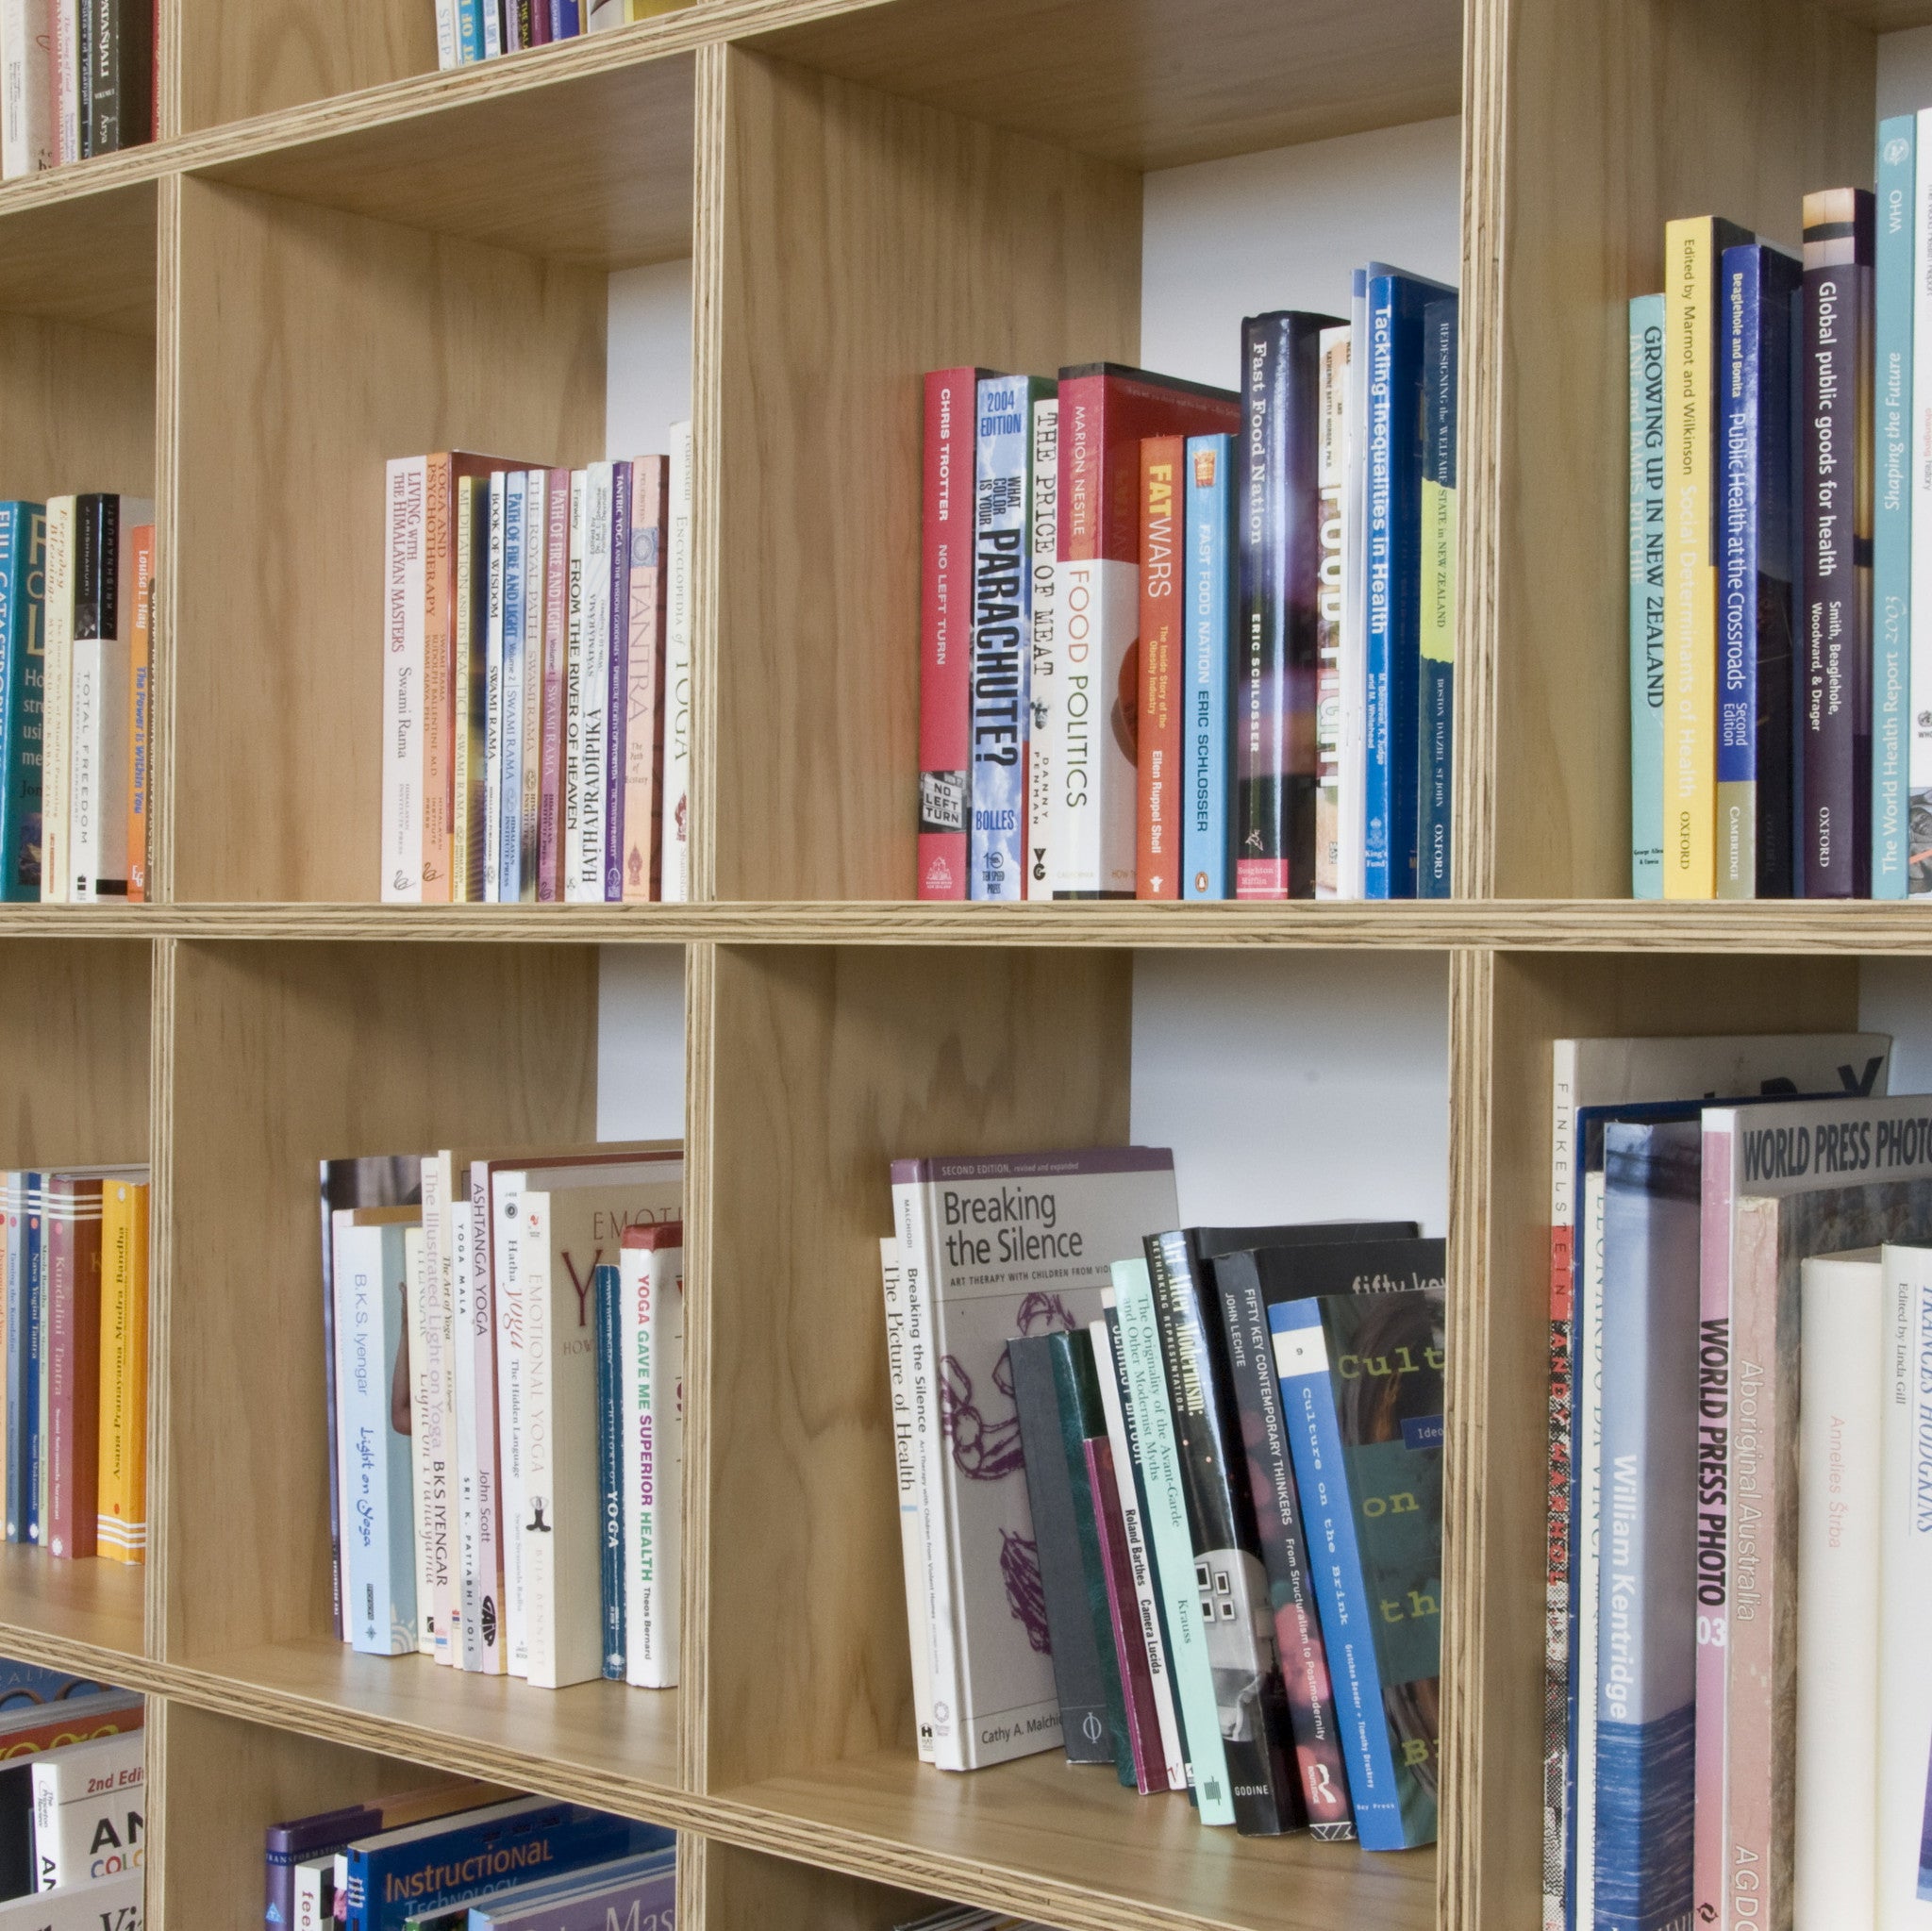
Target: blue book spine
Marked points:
1208	563
1394	587
1892	521
1002	638
1436	630
566	19
610	1467
1342	1593
17	1451
491	12
1645	1687
617	707
510	844
23	599
468	30
1647	596
35	1294
380	1508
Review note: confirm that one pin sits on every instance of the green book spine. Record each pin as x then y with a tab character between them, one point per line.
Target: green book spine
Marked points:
23	597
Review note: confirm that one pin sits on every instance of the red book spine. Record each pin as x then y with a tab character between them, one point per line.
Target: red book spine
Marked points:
945	642
1158	848
74	1370
1124	1612
556	614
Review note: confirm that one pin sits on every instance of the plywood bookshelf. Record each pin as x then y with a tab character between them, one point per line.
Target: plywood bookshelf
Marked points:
336	254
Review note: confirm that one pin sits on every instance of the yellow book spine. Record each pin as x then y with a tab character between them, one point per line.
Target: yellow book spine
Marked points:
123	1477
1691	569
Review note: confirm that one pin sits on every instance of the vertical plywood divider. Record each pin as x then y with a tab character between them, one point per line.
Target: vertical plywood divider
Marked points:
1589	125
161	1276
709	240
167	491
825	1064
861	239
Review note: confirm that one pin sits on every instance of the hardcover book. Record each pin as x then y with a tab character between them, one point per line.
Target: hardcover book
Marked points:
1919	593
1207	617
1004	1247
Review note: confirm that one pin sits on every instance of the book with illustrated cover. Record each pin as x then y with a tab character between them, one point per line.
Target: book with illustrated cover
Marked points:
1003	1246
632	1894
1361	1387
22	599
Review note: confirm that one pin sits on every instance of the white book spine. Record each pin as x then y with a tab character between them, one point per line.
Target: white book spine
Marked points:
493	29
506	1288
676	854
87	1811
378	1559
1842	1319
1045	692
447	52
402	685
1904	1564
1139	1558
416	1310
481	1610
86	806
492	695
576	586
63	17
1588	1504
537	579
454	1201
341	1259
438	1273
1097	617
951	1748
537	1420
653	1619
603	15
911	1491
26	141
315	1892
586	882
1352	856
57	700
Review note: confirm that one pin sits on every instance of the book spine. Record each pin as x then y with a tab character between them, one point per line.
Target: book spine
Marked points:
64	18
23	631
484	1601
505	1229
1435	775
1331	464
556	643
120	97
1556	1517
1905	1536
381	1556
1307	1401
120	1523
540	24
493	29
1713	1566
674	874
1124	1619
469	31
448	52
1646	596
17	1450
402	687
1146	1382
509	733
467	690
1285	1555
1689	577
1352	834
610	1577
1168	1758
1835	723
1891	517
1742	296
660	1566
534	1425
1918	591
141	629
945	633
586	884
535	594
1205	861
439	668
495	583
1044	542
26	134
74	1309
645	690
911	1491
1586	1550
1162	668
57	697
1842	1319
421	1397
576	588
34	1420
617	685
98	810
1001	659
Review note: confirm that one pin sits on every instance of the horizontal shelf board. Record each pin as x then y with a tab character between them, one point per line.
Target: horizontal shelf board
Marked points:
70	1611
1500	924
1042	1836
601	1742
1143	82
82	250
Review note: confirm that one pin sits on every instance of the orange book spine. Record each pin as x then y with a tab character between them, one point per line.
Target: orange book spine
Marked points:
438	653
141	715
1156	869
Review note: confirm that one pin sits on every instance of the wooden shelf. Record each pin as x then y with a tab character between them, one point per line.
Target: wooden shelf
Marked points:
88	1615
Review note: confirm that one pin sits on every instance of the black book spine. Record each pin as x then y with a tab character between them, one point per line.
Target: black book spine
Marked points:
117	70
86	30
96	550
1078	1678
1229	1573
1777	545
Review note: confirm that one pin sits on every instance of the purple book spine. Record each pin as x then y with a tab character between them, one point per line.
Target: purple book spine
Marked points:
614	734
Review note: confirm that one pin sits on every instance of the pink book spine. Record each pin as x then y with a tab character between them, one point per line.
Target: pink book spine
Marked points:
1752	1729
1124	1612
549	805
643	801
482	1337
945	631
1713	1523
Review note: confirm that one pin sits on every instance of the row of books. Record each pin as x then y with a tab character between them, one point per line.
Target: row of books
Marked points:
504	1359
456	1856
76	698
72	1825
537	680
76	78
1739	1716
1183	643
74	1383
1118	1443
471	30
